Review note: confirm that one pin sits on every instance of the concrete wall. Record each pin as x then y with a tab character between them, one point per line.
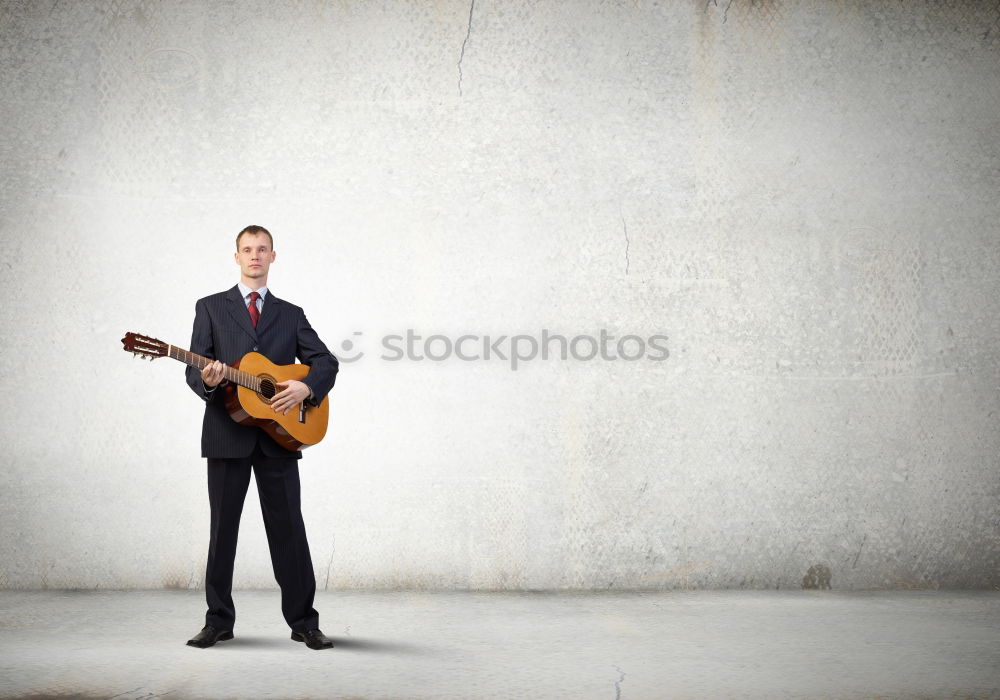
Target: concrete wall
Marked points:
803	197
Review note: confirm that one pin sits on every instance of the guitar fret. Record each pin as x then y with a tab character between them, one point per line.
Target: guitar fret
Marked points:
236	376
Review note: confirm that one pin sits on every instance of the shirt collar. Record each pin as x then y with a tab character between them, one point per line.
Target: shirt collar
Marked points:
245	291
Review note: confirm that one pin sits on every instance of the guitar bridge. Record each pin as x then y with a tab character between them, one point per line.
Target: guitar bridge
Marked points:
302	413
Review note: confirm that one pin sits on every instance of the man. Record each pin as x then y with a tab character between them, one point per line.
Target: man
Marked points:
227	326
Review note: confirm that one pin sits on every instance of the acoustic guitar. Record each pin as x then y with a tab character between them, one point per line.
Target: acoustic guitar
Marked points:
252	383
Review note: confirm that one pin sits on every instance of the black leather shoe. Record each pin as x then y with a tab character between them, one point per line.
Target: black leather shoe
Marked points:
209	636
314	639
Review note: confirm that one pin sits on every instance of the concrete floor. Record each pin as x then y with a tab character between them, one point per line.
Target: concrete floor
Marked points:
616	646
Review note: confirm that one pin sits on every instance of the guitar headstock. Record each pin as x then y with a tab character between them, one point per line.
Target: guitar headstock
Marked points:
144	346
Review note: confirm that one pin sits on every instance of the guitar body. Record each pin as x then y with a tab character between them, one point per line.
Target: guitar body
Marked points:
301	427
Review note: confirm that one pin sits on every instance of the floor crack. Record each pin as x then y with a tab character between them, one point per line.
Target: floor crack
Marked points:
127	691
468	33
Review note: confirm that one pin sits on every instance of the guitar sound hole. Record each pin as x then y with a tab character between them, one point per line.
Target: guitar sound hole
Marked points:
267	388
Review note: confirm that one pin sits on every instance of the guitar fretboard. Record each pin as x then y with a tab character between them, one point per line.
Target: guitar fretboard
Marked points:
231	373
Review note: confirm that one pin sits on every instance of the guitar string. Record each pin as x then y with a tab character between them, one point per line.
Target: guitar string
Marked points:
231	373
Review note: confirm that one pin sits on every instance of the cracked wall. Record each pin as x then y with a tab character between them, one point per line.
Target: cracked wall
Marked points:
803	197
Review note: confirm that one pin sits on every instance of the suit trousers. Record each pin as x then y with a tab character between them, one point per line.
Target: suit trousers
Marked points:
280	503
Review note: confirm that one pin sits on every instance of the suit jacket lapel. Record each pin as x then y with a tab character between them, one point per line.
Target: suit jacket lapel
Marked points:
238	310
270	311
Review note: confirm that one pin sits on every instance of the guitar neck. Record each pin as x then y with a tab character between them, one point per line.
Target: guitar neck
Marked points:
231	373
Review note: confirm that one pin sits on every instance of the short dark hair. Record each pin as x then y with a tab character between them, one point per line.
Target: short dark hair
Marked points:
254	231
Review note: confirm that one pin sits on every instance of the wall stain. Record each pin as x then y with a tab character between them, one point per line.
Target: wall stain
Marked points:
171	67
817	577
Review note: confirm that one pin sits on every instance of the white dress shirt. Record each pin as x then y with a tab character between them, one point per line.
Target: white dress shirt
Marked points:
246	291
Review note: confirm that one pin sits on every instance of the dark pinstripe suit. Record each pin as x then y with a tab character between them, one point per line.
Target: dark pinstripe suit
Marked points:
223	331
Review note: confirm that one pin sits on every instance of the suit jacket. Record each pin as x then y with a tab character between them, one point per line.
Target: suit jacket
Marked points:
223	331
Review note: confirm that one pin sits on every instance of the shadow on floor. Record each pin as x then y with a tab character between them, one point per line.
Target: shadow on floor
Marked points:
374	646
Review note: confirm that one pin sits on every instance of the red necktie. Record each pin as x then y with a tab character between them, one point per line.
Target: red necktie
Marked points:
254	311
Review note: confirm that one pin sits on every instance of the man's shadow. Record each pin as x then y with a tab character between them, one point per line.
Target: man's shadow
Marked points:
374	646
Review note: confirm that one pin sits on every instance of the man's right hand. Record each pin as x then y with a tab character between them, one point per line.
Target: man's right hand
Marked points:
212	374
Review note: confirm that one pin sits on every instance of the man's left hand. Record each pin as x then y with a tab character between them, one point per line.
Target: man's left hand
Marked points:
293	393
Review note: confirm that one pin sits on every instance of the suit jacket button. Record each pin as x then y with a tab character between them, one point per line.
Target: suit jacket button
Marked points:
255	348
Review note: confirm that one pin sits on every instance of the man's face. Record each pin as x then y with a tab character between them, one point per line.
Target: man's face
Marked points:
254	255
